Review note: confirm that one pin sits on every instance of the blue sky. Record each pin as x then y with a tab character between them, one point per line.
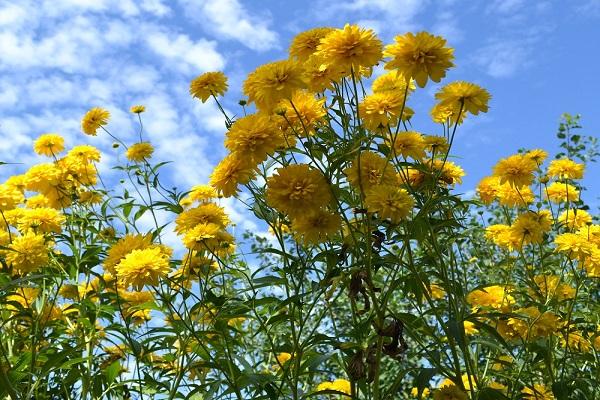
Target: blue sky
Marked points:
62	57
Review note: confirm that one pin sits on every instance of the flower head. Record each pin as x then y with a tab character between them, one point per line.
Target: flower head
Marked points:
305	43
558	192
351	47
408	144
137	109
232	171
368	170
393	82
143	267
302	113
517	170
271	82
28	252
140	152
422	56
382	110
389	202
255	136
565	169
94	119
208	84
315	227
464	96
297	189
49	144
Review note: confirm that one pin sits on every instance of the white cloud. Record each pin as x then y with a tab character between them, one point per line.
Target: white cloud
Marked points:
229	19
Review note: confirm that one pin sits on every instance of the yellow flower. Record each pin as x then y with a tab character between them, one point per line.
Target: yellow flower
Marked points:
422	56
450	172
487	189
558	192
297	189
49	144
414	392
449	392
389	201
464	95
143	267
25	296
382	110
137	109
436	291
43	219
319	75
393	82
209	237
531	226
514	196
305	43
497	297
315	227
576	246
575	219
140	152
516	170
470	328
232	171
28	252
282	358
537	155
575	341
338	385
549	286
271	82
94	119
407	144
374	170
303	112
124	246
538	392
207	84
10	197
351	47
446	114
436	144
202	193
84	153
255	136
203	214
565	169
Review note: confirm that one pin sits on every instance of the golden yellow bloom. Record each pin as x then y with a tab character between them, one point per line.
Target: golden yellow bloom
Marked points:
487	189
538	392
49	144
232	171
407	144
502	236
140	152
339	385
516	170
575	341
389	201
207	84
143	267
203	214
514	196
202	193
575	219
558	192
297	189
351	47
531	226
470	328
28	252
271	82
10	197
576	246
436	291
254	136
449	392
43	219
94	119
137	109
305	43
549	286
532	324
84	153
382	110
450	173
282	358
422	56
124	246
393	82
315	227
374	170
446	114
537	155
497	297
464	95
303	112
37	201
565	169
25	296
209	237
436	145
319	75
